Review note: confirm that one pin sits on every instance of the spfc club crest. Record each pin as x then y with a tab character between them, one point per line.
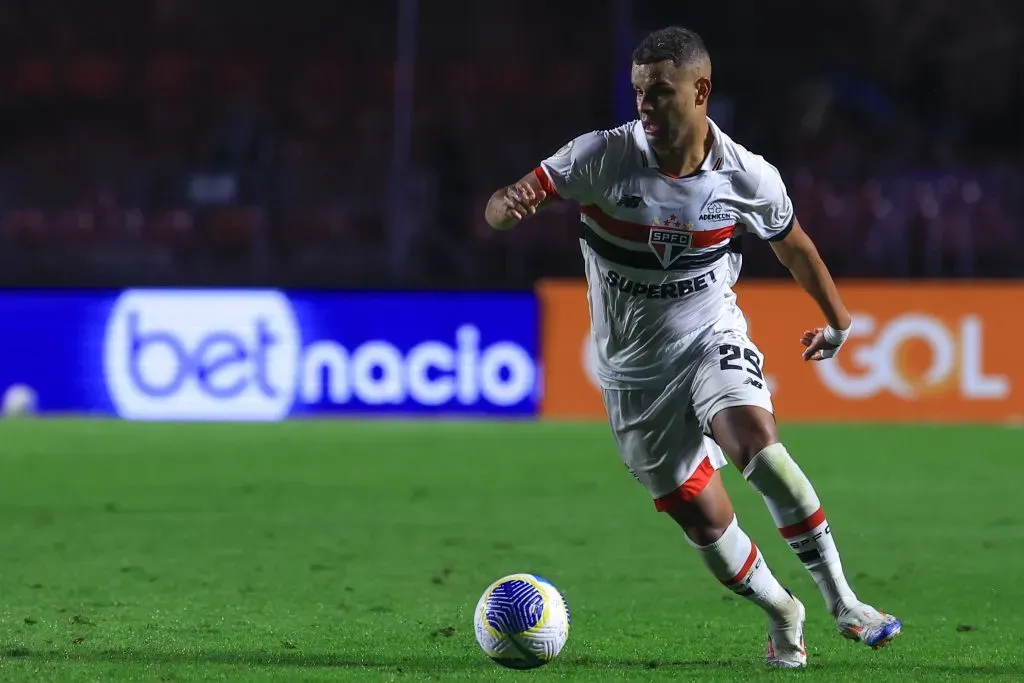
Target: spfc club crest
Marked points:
669	240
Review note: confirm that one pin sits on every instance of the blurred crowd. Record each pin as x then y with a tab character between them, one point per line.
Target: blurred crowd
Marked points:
254	142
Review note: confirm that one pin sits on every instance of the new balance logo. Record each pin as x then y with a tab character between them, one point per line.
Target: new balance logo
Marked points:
754	382
629	201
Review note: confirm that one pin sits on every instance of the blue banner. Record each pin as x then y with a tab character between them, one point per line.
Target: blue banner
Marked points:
187	354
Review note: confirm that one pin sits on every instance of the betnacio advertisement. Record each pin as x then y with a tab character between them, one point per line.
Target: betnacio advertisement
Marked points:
196	354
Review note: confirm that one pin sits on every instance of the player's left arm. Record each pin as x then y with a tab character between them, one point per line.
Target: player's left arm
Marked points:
797	252
770	216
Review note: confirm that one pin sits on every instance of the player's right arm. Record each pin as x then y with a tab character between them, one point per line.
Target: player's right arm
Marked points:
512	203
569	173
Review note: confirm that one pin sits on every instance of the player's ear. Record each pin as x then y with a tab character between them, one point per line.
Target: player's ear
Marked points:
703	90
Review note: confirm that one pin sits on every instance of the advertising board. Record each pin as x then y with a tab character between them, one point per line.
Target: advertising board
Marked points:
194	354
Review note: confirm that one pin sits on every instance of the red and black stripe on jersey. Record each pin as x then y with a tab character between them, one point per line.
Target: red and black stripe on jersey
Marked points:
645	261
706	246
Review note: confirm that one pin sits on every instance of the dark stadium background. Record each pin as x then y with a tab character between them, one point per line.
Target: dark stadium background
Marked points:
114	111
323	165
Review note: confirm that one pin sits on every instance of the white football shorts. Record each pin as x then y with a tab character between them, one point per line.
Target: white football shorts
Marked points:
663	432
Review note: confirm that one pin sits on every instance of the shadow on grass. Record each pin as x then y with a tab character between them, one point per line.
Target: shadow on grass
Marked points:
292	659
1014	670
298	659
427	664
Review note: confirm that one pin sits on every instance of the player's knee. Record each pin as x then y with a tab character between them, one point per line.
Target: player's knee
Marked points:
743	432
703	518
703	535
701	529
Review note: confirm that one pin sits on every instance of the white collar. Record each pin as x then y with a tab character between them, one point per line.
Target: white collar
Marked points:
711	161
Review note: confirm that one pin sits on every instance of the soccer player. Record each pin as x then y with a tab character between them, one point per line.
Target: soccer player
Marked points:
663	201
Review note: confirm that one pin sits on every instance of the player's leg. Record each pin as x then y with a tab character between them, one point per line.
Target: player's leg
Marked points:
711	528
748	434
735	407
667	454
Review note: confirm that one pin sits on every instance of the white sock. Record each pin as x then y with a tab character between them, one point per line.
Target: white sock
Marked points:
738	564
797	512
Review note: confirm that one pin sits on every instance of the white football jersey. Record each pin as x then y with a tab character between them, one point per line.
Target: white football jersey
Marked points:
660	251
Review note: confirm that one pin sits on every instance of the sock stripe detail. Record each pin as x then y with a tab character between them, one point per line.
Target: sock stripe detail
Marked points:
751	558
812	522
806	556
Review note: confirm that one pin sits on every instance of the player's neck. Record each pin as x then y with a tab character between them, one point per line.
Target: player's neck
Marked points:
688	155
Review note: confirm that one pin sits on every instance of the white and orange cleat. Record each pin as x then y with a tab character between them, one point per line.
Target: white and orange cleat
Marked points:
786	640
866	624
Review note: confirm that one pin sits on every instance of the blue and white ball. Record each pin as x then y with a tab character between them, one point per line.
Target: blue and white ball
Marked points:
522	621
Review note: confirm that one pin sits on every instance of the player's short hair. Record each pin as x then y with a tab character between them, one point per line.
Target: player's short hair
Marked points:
679	45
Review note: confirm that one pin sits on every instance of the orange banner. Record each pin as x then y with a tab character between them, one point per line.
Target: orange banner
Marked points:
917	352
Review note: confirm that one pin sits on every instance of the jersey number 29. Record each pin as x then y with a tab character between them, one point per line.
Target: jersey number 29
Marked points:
731	352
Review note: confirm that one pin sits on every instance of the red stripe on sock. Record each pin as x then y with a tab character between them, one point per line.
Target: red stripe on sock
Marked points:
815	520
751	558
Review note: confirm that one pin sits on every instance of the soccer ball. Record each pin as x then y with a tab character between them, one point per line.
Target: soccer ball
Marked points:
521	621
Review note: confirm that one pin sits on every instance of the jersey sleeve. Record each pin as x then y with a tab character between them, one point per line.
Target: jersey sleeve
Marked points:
573	171
769	211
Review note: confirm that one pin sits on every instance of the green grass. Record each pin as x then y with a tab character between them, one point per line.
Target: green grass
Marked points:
356	551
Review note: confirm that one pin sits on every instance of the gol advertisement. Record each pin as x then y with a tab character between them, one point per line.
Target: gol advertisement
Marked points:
917	353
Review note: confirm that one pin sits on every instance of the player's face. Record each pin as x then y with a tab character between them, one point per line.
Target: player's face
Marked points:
671	100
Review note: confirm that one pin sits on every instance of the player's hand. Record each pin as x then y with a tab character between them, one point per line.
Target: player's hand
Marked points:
816	346
521	200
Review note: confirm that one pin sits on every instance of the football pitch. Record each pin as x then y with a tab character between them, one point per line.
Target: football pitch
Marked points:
330	551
